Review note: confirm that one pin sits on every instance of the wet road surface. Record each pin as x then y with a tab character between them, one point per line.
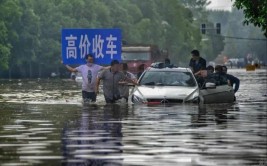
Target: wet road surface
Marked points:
44	123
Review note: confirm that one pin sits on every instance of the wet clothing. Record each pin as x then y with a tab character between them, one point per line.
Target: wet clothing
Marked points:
124	89
197	65
89	75
233	80
217	78
111	85
89	96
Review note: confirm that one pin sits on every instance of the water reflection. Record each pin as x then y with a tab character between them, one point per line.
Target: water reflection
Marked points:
95	138
60	131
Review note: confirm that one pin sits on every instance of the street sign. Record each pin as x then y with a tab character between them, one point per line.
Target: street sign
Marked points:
104	44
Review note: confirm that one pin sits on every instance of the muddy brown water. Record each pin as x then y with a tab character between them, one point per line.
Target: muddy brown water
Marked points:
44	123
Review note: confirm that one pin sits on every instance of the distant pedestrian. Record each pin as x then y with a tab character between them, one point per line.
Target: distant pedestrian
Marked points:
167	63
89	73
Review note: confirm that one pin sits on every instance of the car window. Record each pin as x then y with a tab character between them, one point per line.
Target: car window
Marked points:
168	78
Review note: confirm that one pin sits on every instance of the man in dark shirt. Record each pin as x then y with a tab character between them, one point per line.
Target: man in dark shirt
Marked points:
232	79
197	63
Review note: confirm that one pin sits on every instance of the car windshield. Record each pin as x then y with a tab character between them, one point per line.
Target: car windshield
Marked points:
128	56
168	78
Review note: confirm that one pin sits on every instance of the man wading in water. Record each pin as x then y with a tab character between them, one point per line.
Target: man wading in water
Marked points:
89	73
111	81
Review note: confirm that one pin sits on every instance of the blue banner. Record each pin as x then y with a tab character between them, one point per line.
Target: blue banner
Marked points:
104	44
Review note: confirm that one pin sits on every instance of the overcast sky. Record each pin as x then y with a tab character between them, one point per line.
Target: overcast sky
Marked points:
220	4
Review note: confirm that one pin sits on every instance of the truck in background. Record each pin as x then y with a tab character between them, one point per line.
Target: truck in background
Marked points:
136	55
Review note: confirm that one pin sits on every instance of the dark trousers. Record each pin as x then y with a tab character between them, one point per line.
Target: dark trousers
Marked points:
109	100
89	96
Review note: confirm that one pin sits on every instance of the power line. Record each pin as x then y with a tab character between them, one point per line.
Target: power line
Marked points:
240	38
243	38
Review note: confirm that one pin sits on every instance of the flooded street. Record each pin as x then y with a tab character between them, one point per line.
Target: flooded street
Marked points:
44	123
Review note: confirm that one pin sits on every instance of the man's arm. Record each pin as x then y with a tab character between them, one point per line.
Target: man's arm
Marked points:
197	73
236	81
97	85
133	81
71	69
133	77
98	80
105	67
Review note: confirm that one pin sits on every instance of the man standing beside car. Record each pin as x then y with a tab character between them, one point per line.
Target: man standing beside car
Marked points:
197	63
124	87
198	67
111	81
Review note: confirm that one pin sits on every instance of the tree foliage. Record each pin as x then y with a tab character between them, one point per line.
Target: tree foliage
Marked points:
242	38
9	15
255	12
30	30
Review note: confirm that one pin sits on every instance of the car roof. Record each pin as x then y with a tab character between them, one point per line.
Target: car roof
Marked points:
180	69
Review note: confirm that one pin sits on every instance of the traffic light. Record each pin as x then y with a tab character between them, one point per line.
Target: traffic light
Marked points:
203	28
218	28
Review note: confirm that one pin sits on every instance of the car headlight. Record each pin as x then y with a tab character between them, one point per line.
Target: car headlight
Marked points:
137	99
193	97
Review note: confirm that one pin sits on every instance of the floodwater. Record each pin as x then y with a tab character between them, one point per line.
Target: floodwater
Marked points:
42	122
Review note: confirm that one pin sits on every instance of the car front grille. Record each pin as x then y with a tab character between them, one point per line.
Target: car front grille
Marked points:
165	100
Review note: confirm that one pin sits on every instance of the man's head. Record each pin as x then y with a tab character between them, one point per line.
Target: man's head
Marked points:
195	54
210	69
141	67
218	69
224	69
124	67
167	61
89	58
115	65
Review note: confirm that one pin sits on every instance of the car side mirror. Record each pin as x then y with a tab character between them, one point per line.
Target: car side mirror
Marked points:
210	85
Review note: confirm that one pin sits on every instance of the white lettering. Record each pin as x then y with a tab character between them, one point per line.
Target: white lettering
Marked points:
71	49
111	46
98	46
84	46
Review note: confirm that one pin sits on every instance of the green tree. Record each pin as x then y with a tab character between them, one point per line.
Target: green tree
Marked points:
9	15
255	12
30	30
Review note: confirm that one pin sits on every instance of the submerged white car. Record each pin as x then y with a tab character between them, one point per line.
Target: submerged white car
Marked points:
177	85
166	85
